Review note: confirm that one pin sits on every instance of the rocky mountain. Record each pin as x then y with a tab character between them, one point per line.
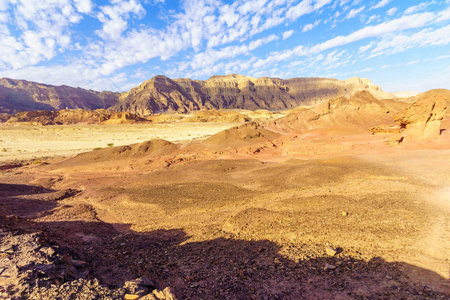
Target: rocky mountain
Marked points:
162	94
237	92
22	95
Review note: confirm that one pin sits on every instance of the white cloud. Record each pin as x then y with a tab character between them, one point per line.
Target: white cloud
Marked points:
114	17
76	75
386	28
413	62
335	59
364	70
403	23
444	15
309	27
417	8
44	29
423	38
381	4
287	34
352	13
372	19
321	3
365	48
391	11
210	57
83	6
303	8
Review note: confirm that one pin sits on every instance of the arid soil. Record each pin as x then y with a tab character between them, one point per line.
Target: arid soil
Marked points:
43	142
330	211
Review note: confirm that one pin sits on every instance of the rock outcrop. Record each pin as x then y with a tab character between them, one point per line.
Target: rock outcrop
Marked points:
358	112
237	92
422	120
22	95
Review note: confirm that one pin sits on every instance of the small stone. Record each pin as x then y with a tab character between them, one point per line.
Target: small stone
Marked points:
131	296
329	267
344	213
170	295
330	251
78	263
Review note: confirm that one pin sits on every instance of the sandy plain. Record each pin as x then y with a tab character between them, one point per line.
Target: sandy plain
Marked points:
27	142
327	214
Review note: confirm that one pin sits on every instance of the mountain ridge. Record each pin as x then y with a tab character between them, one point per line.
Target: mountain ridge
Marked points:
163	94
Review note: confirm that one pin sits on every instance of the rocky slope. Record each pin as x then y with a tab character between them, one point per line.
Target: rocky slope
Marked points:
76	116
236	91
358	112
22	95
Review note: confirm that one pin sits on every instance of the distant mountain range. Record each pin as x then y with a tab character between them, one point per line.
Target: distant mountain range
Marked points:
162	94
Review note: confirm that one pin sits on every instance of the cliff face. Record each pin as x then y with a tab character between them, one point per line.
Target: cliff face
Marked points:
236	91
162	94
22	95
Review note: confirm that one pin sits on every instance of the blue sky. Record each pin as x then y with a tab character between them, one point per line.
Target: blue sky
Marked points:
401	45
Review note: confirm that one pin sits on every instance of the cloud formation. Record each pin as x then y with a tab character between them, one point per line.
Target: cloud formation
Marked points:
115	44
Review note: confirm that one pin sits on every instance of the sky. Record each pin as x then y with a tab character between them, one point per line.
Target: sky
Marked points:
114	45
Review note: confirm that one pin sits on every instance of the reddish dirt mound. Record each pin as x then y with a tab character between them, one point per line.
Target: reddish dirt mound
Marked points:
247	134
120	157
155	147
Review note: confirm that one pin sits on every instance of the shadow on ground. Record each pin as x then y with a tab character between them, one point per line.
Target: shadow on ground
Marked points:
220	268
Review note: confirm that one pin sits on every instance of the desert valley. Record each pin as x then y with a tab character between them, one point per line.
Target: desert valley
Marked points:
229	188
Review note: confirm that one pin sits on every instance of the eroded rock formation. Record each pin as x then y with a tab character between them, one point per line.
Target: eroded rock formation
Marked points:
422	120
236	91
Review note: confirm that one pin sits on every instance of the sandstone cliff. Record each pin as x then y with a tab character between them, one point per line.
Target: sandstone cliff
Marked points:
162	94
236	91
22	95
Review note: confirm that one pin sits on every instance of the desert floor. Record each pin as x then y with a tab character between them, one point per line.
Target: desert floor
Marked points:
39	142
253	224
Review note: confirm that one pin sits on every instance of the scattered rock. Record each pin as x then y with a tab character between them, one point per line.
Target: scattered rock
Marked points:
140	286
344	213
166	294
329	267
331	251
